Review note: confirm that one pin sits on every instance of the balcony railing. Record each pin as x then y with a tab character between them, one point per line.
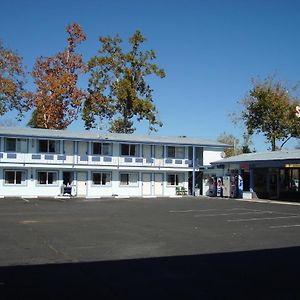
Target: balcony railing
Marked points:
92	160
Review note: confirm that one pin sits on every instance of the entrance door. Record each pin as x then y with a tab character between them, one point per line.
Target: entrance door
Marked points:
158	184
81	183
147	184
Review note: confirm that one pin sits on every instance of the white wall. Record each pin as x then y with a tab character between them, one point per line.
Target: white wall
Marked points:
211	155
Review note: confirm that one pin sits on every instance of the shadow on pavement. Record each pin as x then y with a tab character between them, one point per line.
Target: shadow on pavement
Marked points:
262	274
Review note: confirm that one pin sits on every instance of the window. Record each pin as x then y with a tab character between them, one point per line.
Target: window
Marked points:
103	178
175	152
47	177
130	179
129	150
15	145
175	179
48	146
102	148
14	177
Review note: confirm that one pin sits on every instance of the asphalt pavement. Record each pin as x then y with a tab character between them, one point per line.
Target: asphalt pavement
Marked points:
140	248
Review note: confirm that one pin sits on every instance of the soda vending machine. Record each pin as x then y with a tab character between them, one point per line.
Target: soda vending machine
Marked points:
219	187
212	191
240	187
233	186
226	186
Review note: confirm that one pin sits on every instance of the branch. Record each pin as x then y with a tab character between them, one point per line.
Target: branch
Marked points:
285	142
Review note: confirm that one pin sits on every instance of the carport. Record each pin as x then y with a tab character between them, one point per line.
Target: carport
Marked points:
268	175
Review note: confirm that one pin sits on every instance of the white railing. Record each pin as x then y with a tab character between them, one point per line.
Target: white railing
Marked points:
93	160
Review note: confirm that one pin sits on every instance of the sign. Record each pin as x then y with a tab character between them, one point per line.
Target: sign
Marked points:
244	167
298	111
292	166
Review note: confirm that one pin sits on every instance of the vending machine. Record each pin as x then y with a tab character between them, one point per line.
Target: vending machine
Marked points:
233	186
219	187
240	187
226	186
212	191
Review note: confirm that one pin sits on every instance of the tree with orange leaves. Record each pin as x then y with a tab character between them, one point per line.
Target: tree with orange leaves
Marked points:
57	100
12	81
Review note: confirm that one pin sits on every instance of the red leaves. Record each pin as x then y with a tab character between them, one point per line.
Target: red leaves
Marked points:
57	98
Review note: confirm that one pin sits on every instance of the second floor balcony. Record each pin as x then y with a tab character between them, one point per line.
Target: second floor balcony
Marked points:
92	160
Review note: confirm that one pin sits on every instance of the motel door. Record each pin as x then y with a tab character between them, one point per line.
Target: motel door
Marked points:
158	184
147	184
81	183
159	154
147	151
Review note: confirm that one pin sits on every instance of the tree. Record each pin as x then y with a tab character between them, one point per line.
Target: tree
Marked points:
57	99
269	108
229	139
118	92
12	81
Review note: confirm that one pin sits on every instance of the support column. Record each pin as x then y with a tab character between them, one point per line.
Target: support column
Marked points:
193	179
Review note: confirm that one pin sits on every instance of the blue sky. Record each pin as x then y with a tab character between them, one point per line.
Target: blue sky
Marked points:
210	50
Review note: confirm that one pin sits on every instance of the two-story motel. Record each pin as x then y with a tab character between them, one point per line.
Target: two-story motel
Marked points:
41	162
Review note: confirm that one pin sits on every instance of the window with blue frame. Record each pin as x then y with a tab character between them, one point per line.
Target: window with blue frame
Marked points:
101	178
175	152
14	177
47	177
48	146
129	150
102	149
16	145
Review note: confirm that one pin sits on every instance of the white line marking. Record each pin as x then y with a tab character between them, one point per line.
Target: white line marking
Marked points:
285	226
211	209
258	219
234	213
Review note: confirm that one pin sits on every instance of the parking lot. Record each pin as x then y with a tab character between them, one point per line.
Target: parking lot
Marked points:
146	248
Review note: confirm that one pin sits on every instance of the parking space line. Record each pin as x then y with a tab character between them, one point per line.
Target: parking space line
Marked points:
212	209
235	213
260	219
285	226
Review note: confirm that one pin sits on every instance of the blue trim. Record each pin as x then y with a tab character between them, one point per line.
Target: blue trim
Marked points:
61	157
178	161
11	155
1	155
95	158
36	156
49	156
168	161
138	160
107	159
127	159
83	158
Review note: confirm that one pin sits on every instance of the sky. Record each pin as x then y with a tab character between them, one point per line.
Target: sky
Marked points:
210	50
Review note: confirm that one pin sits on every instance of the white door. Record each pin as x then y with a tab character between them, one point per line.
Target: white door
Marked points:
147	184
147	151
159	151
68	147
81	183
158	184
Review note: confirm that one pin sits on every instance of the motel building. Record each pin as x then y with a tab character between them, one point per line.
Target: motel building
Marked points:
42	163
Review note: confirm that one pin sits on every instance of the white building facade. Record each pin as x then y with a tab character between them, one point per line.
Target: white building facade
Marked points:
40	162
